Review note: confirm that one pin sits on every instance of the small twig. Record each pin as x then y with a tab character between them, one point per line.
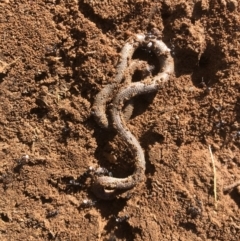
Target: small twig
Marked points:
4	66
214	177
231	186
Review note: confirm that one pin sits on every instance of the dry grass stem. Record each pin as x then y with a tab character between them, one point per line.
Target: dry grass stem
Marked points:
214	177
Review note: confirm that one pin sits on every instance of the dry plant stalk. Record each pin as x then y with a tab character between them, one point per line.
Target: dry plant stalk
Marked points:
214	177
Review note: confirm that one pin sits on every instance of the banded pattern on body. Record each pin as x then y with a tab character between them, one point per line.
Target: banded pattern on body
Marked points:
106	187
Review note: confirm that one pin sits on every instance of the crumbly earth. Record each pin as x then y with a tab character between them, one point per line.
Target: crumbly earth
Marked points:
55	56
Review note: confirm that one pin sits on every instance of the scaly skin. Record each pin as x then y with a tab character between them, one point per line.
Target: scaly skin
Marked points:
106	187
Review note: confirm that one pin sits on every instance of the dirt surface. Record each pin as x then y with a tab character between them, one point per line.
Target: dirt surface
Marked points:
55	56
